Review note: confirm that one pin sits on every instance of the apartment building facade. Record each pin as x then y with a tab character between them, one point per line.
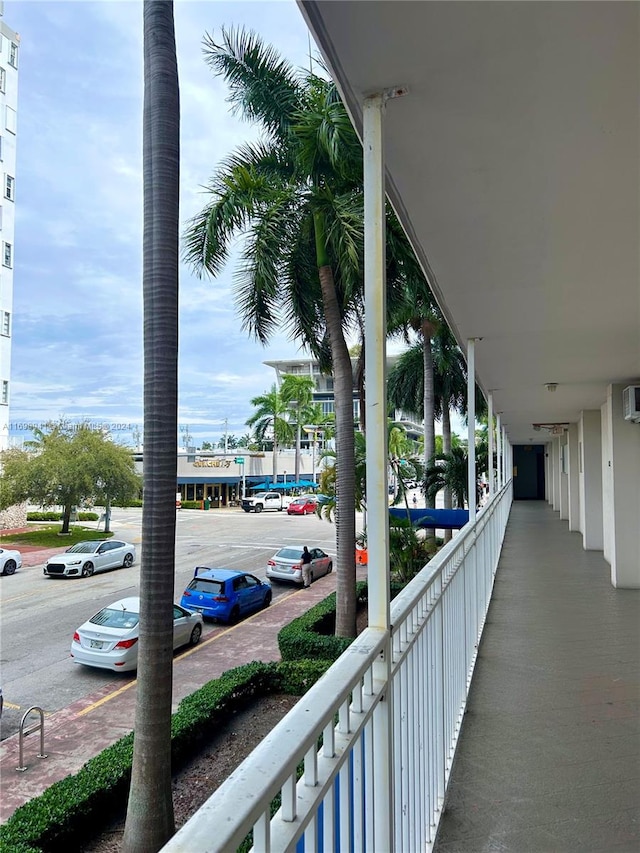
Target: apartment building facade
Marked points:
9	52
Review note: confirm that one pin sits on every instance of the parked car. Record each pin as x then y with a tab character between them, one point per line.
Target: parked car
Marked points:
85	558
265	501
286	564
225	594
109	640
9	561
302	506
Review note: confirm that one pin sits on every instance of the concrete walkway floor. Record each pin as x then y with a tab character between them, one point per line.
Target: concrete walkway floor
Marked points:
549	755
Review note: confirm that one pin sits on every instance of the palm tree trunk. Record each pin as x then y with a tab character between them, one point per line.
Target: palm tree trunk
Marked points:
345	456
298	428
446	448
150	818
428	330
275	454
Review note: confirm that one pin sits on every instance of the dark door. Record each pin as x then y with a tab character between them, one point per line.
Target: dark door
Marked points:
528	472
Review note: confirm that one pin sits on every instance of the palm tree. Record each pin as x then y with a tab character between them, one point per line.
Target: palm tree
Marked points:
448	470
297	196
270	415
150	819
297	393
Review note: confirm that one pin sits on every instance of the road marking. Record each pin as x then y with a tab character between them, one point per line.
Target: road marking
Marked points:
182	655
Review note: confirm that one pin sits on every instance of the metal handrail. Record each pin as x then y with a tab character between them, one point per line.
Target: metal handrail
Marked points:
23	733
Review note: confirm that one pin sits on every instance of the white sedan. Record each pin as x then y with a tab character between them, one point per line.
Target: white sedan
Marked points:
85	558
9	561
109	640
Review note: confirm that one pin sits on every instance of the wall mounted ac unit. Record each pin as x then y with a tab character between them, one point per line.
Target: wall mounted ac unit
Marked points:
631	403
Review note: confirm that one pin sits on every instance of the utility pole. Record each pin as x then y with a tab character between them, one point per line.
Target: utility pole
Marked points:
226	435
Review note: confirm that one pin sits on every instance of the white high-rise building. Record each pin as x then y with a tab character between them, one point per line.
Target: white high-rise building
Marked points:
9	52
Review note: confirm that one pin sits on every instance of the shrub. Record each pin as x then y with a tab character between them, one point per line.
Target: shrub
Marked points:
70	810
191	504
58	516
310	636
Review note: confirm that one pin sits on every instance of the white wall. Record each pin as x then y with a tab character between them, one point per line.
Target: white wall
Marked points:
623	465
590	476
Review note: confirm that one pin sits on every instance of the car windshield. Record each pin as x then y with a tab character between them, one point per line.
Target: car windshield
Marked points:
211	587
82	548
111	617
289	554
299	501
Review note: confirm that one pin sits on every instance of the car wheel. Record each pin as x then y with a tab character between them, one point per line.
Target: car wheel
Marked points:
267	599
9	567
329	568
246	509
87	570
258	507
194	639
234	615
128	561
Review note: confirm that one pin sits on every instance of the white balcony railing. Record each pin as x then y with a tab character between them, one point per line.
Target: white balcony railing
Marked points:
412	697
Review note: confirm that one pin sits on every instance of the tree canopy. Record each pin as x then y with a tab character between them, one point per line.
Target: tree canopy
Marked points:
66	464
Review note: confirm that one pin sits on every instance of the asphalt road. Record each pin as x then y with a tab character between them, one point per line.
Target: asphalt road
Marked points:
39	614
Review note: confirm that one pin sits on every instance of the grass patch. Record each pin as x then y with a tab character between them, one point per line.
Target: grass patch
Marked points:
48	537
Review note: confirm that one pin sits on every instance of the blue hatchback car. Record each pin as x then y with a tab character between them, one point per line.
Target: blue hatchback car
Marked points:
225	594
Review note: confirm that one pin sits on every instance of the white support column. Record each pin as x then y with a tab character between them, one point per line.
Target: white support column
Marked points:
377	452
491	472
555	474
547	474
471	426
499	449
564	476
574	477
590	473
621	460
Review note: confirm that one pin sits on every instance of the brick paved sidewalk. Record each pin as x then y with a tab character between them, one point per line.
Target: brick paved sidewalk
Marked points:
75	734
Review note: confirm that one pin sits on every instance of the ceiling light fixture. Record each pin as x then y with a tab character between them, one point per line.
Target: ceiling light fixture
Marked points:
551	386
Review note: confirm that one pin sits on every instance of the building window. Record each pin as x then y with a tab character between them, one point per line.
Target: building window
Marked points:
13	55
3	80
11	120
9	187
7	255
6	323
5	392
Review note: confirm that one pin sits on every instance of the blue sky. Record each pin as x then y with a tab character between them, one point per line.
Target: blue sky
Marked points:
77	342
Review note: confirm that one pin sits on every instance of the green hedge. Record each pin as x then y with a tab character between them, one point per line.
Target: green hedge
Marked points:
191	504
69	811
58	516
312	634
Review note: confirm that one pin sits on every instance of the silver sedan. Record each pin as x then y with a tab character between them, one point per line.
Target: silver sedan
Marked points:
286	564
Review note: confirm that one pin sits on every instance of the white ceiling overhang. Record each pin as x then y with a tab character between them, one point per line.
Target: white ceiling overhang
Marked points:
513	162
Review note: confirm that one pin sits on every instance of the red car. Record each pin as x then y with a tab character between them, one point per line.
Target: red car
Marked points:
301	506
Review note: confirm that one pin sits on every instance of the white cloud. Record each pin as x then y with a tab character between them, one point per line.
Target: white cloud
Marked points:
77	347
